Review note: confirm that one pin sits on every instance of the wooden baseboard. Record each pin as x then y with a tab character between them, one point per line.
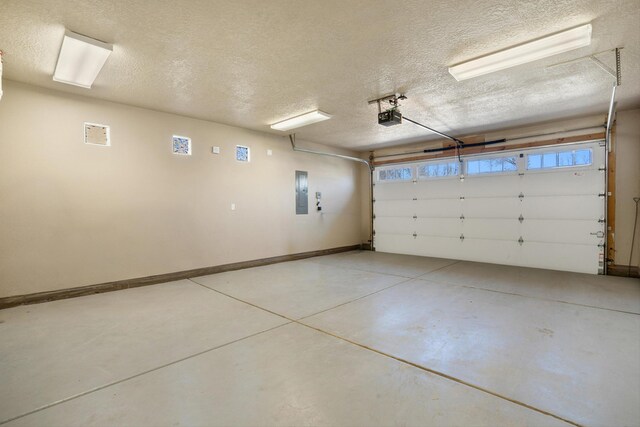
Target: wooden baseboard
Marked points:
40	297
366	247
623	271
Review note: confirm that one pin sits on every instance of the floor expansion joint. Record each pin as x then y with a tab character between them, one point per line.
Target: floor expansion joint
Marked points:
403	361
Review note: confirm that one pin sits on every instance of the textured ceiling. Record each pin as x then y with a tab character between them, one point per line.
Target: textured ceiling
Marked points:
252	63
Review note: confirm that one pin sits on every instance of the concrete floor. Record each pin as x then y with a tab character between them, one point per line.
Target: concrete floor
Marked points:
354	339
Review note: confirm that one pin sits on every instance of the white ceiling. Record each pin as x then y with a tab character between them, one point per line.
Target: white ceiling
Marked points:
251	63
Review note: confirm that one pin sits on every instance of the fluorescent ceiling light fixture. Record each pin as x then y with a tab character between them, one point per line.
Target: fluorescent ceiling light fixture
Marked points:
301	120
526	52
80	60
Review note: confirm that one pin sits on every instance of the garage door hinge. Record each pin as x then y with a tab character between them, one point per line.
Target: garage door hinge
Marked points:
462	237
601	220
374	232
462	217
373	200
521	240
521	218
415	235
415	181
415	199
461	197
521	196
601	245
602	169
415	217
374	216
601	195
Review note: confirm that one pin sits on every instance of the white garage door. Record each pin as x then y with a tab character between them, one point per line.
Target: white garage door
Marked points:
541	207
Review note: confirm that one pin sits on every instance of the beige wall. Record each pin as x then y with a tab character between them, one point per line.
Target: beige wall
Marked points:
73	214
627	146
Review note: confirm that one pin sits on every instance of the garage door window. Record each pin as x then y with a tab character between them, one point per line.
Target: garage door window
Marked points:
559	159
395	174
492	165
438	170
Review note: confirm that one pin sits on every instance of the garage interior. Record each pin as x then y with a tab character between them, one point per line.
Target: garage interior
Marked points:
288	213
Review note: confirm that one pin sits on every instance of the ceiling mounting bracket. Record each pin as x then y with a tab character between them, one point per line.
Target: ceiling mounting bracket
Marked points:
617	73
393	100
618	68
604	66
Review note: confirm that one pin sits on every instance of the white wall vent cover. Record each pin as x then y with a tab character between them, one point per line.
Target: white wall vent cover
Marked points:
96	134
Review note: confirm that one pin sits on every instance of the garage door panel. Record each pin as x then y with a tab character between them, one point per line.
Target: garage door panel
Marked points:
438	188
491	207
491	228
562	207
492	186
394	225
443	247
397	243
398	208
573	182
394	190
561	256
559	231
450	227
491	250
438	208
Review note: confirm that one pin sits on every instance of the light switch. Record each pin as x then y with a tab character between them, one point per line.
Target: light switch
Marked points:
215	150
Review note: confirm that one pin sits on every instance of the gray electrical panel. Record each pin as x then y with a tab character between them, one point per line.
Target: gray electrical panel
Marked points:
302	193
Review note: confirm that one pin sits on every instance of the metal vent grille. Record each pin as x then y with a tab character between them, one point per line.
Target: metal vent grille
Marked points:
96	134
